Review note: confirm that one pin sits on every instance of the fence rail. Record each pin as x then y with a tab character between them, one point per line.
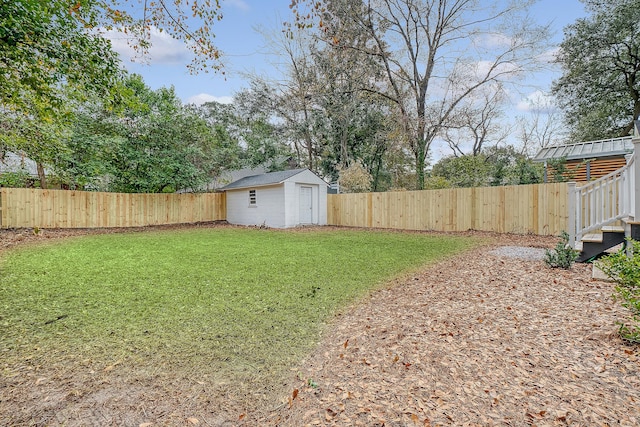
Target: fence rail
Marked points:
20	207
537	209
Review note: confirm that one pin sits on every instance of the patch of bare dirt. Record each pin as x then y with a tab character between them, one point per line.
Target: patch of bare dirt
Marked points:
475	340
20	236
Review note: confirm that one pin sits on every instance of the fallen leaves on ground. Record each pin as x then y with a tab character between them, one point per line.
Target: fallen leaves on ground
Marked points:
475	341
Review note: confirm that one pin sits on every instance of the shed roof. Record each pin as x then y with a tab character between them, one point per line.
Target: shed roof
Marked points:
270	178
587	150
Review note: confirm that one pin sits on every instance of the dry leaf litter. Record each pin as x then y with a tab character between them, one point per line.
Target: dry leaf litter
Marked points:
490	338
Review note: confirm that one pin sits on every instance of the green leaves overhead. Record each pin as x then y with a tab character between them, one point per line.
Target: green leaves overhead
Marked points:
48	56
600	56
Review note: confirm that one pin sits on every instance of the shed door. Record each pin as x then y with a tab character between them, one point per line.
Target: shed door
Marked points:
306	205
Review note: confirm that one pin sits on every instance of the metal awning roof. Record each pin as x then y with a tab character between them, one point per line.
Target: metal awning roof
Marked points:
587	150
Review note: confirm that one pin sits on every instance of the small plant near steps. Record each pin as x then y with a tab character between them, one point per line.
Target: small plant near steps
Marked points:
624	269
563	256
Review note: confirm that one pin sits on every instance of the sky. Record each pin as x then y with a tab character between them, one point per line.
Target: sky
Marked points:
240	36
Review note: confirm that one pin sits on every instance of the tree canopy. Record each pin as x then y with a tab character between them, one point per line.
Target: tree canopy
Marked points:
493	166
599	90
435	56
53	57
154	144
47	55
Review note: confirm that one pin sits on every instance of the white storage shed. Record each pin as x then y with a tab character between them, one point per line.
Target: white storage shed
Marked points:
278	199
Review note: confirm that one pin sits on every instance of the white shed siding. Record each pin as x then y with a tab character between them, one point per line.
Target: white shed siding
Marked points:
278	205
292	198
291	204
269	208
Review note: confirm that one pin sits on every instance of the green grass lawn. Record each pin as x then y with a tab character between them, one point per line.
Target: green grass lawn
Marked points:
236	303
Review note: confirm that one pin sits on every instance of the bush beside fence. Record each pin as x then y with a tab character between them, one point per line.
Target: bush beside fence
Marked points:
26	207
537	209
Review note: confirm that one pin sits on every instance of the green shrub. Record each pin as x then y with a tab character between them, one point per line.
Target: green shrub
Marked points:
625	271
563	256
19	179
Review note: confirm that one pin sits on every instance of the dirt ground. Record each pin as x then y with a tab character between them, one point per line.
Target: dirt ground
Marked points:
479	340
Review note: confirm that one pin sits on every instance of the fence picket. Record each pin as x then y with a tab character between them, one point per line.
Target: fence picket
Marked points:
22	207
537	209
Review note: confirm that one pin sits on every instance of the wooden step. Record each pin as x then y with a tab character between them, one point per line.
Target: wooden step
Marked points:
596	244
613	229
593	238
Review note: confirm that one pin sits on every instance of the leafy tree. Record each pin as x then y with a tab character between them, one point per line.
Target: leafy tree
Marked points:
600	56
326	116
16	179
85	161
53	57
256	141
493	166
154	145
510	167
418	44
49	61
40	140
464	171
47	43
355	179
262	141
354	124
165	146
44	46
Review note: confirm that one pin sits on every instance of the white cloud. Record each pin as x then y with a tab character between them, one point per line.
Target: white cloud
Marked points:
550	56
164	48
537	101
506	69
240	4
494	40
201	98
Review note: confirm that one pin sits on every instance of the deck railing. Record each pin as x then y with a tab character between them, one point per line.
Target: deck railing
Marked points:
602	202
607	199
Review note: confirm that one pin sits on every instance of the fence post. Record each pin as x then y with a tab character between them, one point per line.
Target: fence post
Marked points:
572	208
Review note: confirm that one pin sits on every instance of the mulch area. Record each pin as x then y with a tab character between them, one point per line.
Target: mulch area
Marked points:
476	340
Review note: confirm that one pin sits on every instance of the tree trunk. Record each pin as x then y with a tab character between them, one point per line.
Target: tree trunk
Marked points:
41	175
420	165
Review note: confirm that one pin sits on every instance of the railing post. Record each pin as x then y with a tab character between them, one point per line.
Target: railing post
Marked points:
571	205
635	174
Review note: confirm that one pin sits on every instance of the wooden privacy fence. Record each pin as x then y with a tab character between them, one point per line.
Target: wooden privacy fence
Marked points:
26	207
538	209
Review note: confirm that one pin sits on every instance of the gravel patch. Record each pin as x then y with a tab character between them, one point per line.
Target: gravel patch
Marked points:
519	252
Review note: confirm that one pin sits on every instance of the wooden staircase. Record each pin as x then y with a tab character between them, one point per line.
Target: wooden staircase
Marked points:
595	244
605	212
